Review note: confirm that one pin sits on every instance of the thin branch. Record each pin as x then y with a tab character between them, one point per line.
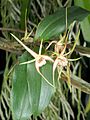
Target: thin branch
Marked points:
12	29
13	47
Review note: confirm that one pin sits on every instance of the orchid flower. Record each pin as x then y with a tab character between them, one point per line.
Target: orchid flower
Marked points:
39	60
60	60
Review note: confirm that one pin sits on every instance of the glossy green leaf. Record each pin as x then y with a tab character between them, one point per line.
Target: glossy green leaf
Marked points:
30	92
85	25
53	25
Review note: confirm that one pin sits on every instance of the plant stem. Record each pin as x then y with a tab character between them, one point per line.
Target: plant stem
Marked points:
12	29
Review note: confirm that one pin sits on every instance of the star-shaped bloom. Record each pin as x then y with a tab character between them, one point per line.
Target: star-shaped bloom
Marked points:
40	60
60	60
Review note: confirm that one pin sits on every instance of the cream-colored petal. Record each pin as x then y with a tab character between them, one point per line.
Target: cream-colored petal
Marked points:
54	68
40	63
28	49
55	64
28	62
37	68
47	58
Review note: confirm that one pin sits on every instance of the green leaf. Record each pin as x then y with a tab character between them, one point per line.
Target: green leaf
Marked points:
78	83
85	25
84	51
24	13
30	92
53	25
88	105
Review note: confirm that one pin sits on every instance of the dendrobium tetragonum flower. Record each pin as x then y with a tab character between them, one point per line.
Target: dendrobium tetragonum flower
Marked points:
61	60
39	60
59	50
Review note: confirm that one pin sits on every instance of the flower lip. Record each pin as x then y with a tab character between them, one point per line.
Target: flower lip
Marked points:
62	61
40	62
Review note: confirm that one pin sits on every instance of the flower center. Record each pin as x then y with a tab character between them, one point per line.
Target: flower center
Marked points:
41	61
62	61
